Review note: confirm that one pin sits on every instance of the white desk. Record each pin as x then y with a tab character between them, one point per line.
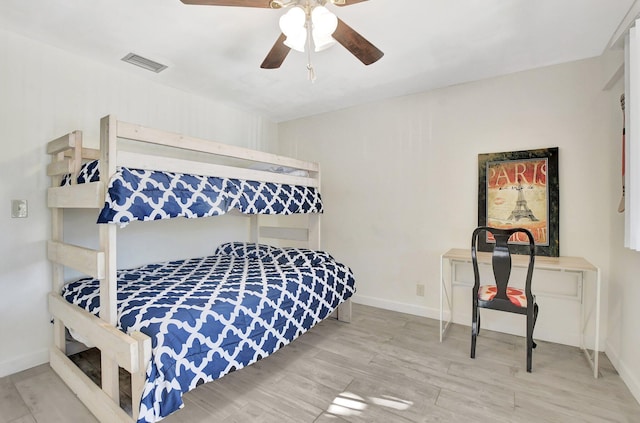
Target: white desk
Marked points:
575	264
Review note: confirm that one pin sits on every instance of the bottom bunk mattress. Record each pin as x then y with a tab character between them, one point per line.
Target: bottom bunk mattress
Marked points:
213	315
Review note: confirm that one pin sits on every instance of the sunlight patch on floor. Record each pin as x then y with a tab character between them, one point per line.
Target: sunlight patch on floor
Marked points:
350	404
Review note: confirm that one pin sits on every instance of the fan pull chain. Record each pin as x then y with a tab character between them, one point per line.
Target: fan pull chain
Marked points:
311	73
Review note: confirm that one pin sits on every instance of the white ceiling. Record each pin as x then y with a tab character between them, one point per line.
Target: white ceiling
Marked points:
216	51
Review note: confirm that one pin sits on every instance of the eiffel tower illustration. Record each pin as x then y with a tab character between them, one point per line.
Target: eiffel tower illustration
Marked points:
521	210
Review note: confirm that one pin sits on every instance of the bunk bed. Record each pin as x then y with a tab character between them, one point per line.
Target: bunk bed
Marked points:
177	324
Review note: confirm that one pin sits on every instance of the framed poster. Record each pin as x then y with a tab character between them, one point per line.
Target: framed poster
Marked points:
521	189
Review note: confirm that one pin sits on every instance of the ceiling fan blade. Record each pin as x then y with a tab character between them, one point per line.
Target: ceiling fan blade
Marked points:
276	55
359	46
346	2
266	4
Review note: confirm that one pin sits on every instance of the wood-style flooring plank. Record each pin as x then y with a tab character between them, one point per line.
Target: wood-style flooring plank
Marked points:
12	407
50	401
564	409
24	419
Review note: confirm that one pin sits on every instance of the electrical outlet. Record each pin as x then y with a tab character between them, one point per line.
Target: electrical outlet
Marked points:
19	208
420	290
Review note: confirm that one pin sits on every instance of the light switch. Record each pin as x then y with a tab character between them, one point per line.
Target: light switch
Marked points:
19	208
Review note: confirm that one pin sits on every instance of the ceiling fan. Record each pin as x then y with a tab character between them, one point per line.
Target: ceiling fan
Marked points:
296	37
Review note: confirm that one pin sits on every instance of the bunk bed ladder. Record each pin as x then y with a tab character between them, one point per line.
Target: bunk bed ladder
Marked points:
60	149
132	353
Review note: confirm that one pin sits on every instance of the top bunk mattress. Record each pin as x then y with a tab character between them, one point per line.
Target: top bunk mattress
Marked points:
210	316
143	195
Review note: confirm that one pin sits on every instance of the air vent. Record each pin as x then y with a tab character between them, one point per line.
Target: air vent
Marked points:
143	62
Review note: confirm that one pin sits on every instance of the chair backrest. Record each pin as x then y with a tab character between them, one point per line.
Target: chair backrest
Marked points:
501	259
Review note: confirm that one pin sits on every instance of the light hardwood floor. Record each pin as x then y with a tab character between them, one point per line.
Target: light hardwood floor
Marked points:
382	367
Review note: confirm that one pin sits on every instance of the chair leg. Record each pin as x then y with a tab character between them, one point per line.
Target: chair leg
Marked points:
532	316
529	344
535	319
475	329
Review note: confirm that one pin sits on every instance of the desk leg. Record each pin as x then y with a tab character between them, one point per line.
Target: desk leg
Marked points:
596	349
583	318
444	292
592	358
441	296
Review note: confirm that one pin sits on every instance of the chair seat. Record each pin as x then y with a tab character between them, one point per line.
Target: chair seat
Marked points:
515	295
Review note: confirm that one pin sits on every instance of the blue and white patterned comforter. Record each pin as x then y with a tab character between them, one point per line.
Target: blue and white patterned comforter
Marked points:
135	194
213	315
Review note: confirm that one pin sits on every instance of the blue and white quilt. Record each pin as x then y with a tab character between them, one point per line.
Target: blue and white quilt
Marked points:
135	194
210	316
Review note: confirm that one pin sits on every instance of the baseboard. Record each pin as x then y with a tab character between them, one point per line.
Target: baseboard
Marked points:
416	310
24	362
623	370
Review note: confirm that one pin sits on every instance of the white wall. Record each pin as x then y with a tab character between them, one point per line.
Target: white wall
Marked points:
400	181
45	93
623	342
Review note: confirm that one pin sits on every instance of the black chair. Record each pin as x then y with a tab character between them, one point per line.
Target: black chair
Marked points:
498	295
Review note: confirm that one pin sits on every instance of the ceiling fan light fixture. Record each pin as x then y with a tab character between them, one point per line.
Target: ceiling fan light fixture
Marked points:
323	20
296	42
322	41
325	24
293	25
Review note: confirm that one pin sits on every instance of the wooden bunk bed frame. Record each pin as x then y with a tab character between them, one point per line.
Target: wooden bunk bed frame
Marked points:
133	352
